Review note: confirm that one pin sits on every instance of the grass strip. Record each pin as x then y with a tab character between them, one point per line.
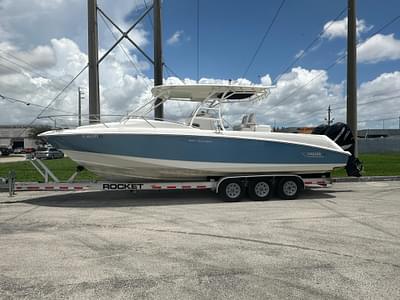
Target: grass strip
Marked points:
387	164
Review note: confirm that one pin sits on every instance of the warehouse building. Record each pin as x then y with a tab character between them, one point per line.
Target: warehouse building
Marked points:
18	137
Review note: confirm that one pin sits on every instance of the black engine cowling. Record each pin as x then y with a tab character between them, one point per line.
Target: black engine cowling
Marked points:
341	134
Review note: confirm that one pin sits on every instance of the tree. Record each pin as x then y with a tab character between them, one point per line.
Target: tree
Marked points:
35	131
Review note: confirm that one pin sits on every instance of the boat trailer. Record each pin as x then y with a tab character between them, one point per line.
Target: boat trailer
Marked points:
231	188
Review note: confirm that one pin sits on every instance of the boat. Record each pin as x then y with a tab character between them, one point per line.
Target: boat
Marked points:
202	147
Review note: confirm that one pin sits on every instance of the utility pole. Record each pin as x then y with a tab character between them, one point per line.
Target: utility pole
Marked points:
158	63
93	53
352	72
329	120
80	97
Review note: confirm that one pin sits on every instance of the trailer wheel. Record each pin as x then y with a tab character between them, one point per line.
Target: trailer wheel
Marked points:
260	189
289	188
231	190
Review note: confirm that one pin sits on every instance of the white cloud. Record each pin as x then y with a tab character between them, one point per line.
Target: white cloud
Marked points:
122	88
379	99
379	48
59	56
55	54
45	20
384	85
175	38
335	29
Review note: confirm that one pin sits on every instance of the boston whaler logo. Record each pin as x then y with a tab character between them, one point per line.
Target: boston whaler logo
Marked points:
313	154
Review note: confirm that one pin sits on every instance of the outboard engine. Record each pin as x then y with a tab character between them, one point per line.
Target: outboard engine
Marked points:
341	134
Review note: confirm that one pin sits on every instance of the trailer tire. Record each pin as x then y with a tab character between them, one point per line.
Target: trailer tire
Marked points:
289	188
260	189
231	190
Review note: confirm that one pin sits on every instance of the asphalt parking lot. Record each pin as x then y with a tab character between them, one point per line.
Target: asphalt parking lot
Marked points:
341	242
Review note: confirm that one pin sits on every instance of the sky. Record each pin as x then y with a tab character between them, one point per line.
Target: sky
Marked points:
43	45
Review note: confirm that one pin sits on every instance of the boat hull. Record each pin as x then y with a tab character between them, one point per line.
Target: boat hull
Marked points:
133	157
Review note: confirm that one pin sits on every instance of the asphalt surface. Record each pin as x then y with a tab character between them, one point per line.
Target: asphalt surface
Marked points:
341	242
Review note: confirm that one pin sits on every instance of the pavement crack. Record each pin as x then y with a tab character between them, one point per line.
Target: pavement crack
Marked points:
21	214
293	246
377	228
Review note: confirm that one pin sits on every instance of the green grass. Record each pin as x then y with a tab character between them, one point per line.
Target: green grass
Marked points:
62	168
374	165
387	164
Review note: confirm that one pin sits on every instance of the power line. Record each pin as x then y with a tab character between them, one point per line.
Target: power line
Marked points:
315	112
168	68
263	38
9	68
30	66
376	120
130	58
22	72
148	17
317	38
56	97
198	40
337	61
124	50
27	103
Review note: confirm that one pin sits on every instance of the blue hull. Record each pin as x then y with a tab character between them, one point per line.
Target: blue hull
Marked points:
218	149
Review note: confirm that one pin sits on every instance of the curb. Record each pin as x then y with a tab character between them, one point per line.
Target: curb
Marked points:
366	179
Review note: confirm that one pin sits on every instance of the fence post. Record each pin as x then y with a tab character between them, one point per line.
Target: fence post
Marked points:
11	183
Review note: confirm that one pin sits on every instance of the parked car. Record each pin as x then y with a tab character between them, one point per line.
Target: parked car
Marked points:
5	150
50	153
28	150
18	150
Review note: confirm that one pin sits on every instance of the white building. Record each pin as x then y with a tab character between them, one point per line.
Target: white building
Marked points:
17	136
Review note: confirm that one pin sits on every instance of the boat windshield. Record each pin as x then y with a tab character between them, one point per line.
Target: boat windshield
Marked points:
209	99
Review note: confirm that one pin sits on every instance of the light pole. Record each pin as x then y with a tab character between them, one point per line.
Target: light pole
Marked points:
81	95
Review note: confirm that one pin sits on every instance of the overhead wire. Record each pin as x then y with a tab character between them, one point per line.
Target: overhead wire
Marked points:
124	50
198	42
263	39
130	58
33	68
337	106
148	17
310	45
13	70
337	61
56	97
24	71
27	103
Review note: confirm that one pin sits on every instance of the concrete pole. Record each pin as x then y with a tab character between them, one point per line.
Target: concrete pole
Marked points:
158	63
93	53
79	107
352	72
329	115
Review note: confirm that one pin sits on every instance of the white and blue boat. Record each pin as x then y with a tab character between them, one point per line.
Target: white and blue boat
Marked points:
137	148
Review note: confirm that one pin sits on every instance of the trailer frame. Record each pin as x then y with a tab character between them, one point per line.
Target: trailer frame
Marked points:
244	182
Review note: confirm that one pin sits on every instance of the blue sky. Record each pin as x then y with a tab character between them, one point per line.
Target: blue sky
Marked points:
51	36
231	30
